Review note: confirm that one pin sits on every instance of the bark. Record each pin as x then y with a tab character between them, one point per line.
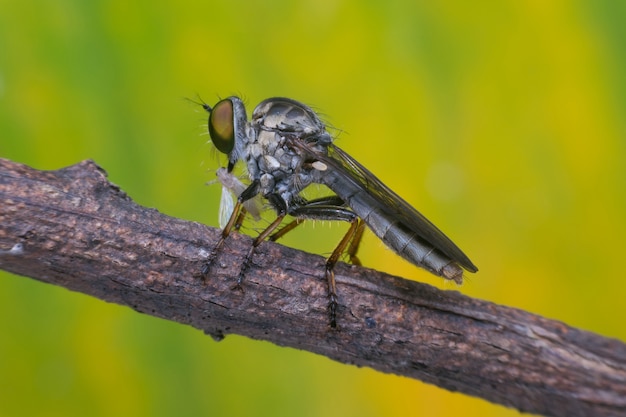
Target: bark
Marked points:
73	228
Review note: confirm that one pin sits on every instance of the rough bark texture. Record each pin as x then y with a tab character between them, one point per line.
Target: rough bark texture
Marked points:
73	228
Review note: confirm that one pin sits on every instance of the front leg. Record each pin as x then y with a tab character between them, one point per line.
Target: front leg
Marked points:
234	222
260	238
281	208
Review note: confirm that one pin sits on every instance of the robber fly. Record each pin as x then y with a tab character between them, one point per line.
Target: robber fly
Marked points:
285	148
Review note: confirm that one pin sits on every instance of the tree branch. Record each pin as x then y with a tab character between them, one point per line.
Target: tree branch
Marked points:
73	228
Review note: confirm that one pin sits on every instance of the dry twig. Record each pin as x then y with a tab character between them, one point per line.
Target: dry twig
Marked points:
73	228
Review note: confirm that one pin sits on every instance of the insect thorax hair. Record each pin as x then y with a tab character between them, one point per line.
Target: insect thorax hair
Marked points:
281	168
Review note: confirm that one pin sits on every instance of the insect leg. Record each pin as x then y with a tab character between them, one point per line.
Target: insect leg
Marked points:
235	220
225	232
333	201
286	229
330	270
260	238
332	212
355	242
240	218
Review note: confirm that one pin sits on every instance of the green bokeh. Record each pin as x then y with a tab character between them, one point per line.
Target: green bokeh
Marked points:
503	122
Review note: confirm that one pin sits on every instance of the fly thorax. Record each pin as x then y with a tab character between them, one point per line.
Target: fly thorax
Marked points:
271	162
279	132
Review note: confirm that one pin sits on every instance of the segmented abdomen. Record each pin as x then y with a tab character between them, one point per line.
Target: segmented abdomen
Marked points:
392	232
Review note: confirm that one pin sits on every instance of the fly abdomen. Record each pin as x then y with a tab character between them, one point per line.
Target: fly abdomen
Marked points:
396	235
421	253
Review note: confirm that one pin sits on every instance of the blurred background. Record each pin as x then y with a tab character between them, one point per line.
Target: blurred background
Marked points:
503	122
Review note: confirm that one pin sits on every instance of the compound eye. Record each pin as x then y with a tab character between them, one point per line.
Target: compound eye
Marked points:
222	126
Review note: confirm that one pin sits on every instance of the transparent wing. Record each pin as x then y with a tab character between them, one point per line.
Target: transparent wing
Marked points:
351	170
233	187
227	206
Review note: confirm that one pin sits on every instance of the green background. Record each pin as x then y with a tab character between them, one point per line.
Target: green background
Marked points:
503	122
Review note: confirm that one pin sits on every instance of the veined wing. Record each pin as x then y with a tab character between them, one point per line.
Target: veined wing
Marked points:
350	170
233	187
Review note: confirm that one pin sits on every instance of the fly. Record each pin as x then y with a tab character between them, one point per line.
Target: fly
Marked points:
232	186
285	148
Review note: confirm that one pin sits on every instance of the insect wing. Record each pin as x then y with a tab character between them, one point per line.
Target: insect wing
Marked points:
233	187
351	170
227	206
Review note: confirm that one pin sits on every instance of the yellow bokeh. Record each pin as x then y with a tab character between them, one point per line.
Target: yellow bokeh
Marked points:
502	122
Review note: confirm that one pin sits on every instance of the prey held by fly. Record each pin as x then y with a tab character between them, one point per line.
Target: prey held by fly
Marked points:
285	148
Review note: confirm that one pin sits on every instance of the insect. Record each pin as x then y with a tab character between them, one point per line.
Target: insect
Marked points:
231	185
285	148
